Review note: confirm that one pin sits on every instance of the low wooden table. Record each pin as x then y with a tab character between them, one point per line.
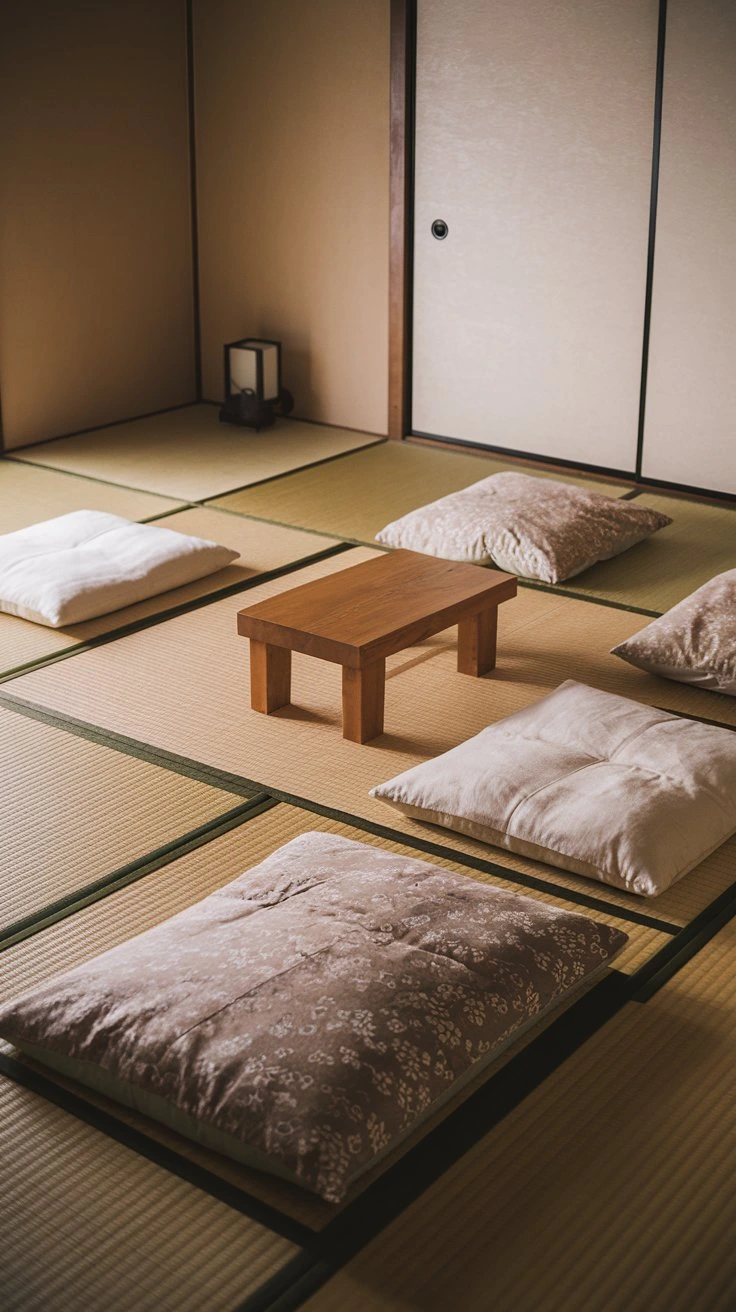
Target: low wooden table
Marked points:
359	616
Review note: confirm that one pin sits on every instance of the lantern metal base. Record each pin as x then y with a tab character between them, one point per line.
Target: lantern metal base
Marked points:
246	410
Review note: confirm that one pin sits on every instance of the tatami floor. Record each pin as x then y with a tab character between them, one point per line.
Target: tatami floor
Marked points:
592	1170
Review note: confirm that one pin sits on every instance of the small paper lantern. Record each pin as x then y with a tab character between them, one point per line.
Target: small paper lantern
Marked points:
253	365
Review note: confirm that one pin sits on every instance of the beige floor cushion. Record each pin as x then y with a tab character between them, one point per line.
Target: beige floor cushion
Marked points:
304	1018
531	526
588	781
87	563
695	642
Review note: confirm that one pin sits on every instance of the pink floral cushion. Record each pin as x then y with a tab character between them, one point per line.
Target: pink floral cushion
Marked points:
532	526
307	1016
695	641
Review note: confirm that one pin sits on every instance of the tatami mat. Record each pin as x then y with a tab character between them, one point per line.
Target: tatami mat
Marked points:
657	573
165	892
354	498
183	686
29	495
189	454
90	1226
72	812
262	547
610	1187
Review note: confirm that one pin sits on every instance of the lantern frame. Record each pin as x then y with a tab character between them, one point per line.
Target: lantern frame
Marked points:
254	344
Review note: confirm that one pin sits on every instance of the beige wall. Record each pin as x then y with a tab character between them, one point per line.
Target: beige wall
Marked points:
96	316
292	162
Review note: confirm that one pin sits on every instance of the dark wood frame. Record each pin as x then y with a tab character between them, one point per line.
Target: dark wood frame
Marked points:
403	53
254	343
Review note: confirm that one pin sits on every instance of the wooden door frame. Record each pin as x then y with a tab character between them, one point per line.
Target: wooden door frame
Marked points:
401	189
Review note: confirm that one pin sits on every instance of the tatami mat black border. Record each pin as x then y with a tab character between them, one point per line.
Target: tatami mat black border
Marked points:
375	440
349	1232
172	496
12	452
518	877
342	543
326	1250
701	719
166	514
210	504
559	590
12	455
93	478
695	931
183	608
154	1151
553	589
671	958
223	779
164	855
117	742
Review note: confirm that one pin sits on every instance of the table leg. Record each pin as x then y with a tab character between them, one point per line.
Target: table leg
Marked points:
363	694
270	676
476	642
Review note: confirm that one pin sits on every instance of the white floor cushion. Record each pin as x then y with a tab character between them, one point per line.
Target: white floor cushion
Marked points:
531	526
695	642
87	563
588	781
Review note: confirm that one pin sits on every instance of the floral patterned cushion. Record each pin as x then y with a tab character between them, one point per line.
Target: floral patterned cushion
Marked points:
531	526
695	641
307	1016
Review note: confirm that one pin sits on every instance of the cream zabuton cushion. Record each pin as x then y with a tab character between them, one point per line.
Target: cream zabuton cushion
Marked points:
588	781
531	526
695	641
87	563
307	1016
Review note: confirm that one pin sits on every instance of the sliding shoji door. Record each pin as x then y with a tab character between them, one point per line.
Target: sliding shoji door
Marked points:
690	425
534	147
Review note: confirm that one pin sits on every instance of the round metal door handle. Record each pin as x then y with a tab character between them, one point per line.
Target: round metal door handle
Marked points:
440	229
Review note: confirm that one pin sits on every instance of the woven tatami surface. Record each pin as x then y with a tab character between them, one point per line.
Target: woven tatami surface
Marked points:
29	494
72	812
358	496
190	455
183	686
354	498
190	878
700	542
90	1226
609	1189
262	547
162	894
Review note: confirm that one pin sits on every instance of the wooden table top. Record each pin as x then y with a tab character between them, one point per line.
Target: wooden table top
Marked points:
375	608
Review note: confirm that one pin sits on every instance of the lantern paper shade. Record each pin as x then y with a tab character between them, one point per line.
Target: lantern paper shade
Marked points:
253	365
